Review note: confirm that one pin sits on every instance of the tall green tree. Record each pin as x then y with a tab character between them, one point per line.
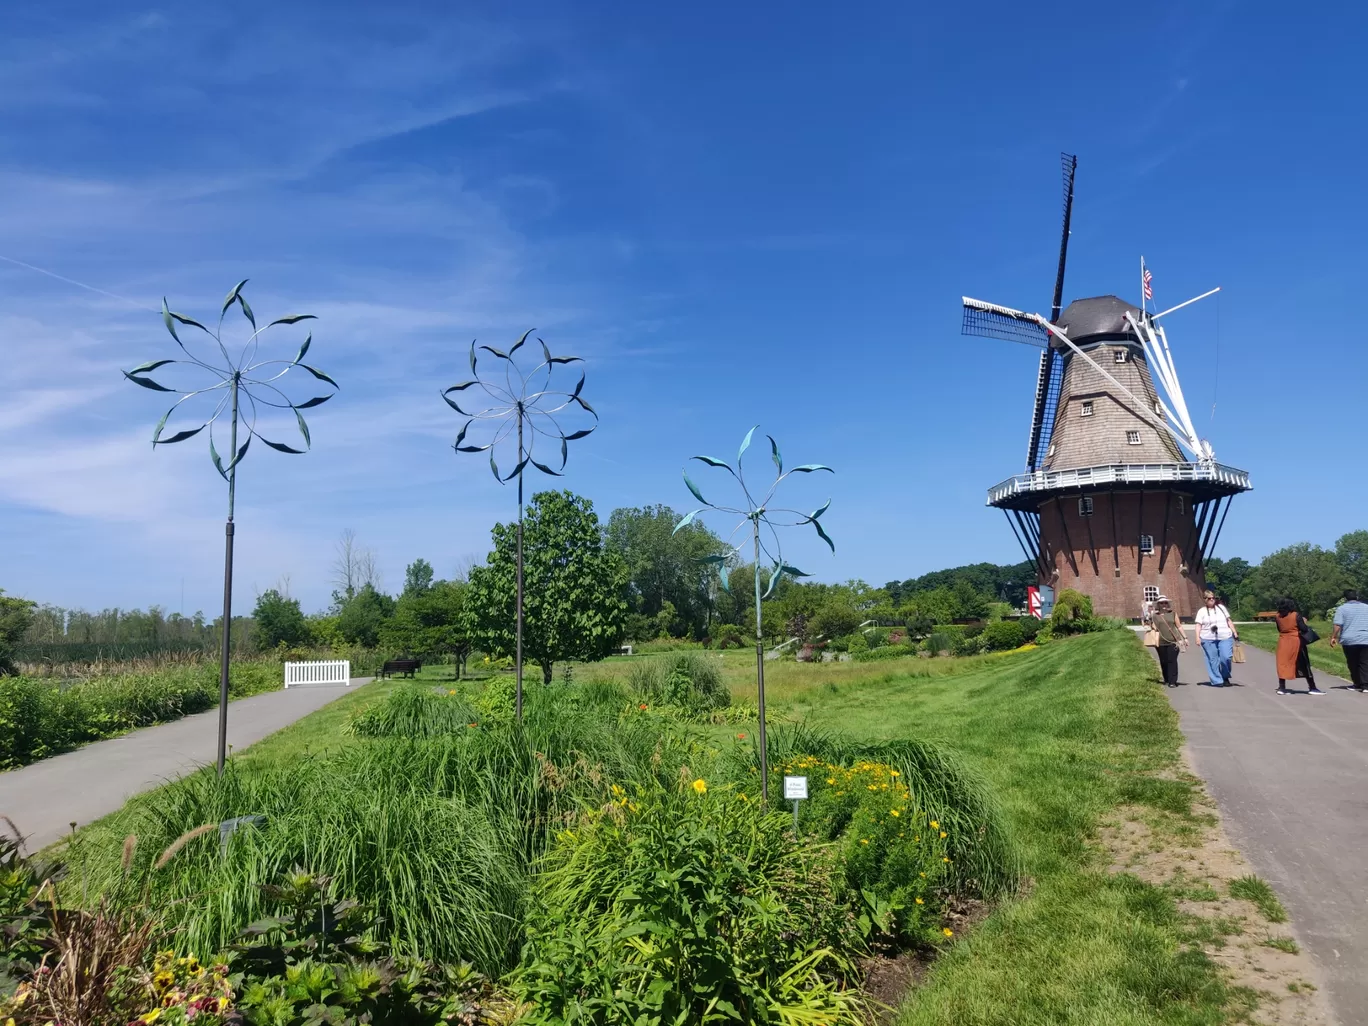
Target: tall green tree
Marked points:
430	623
1307	574
573	604
279	621
1225	576
664	566
418	577
363	615
15	616
1351	551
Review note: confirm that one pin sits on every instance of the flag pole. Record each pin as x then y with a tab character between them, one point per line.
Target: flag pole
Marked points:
1142	286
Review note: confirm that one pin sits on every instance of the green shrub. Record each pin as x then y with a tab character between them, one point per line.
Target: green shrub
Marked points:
1003	635
889	847
939	642
727	635
887	652
688	905
1030	627
856	644
39	718
1073	613
416	710
688	680
985	861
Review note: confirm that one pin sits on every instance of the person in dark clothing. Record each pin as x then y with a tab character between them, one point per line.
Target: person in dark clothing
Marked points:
1172	638
1294	634
1351	631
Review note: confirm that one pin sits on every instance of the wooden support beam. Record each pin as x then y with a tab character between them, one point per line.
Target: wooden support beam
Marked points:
1140	552
1211	549
1164	542
1059	508
1092	547
1116	545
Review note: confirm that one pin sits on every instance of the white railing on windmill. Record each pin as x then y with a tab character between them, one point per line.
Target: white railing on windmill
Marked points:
1175	418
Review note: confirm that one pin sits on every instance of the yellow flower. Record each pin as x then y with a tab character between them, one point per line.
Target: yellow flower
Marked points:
945	860
922	875
831	780
920	902
744	798
616	791
943	834
151	1016
864	840
894	773
948	932
894	812
700	786
935	825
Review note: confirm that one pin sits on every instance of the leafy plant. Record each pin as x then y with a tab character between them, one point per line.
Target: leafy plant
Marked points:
688	680
688	904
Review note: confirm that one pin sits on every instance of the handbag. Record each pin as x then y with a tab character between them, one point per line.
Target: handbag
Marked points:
1237	654
1152	638
1307	632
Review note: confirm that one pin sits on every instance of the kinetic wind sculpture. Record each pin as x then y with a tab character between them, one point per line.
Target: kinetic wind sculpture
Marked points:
239	387
524	403
759	515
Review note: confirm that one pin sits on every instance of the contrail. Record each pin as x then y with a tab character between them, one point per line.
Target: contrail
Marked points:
73	281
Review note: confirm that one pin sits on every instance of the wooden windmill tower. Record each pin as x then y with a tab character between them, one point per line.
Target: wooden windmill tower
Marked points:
1120	499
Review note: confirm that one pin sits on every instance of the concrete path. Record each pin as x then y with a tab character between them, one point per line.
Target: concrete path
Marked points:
45	798
1290	774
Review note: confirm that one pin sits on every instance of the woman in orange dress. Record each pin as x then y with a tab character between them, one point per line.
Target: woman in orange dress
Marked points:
1293	661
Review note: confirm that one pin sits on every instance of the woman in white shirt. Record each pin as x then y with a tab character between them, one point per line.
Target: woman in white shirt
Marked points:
1217	633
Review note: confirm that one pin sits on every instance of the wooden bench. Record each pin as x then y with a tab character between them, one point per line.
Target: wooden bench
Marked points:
407	667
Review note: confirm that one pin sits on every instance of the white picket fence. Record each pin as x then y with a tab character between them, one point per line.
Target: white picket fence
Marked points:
322	671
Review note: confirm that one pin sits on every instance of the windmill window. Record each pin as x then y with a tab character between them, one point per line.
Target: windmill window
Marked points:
1147	544
1050	454
1151	593
1122	355
1132	437
1087	408
1158	407
1085	506
1182	505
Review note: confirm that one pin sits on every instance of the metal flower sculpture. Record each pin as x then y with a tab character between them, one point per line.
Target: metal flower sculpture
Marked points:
763	521
525	404
238	386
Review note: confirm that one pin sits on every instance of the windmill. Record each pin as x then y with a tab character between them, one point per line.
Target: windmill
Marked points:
1121	499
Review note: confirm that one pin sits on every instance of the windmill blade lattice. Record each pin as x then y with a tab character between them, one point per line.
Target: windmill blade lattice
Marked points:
237	387
765	520
522	404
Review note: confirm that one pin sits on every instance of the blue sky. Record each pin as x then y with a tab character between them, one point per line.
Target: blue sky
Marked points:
735	213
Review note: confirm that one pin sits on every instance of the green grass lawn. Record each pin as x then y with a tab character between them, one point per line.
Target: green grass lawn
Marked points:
1323	657
1065	734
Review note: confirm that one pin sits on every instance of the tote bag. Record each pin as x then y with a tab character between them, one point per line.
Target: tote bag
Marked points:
1152	638
1237	654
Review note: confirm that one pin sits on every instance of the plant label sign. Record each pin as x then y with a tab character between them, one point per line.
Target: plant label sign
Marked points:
795	789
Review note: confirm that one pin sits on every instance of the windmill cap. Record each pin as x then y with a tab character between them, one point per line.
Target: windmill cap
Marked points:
1100	319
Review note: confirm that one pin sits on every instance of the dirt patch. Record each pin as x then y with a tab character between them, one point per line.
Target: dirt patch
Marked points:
1193	859
888	980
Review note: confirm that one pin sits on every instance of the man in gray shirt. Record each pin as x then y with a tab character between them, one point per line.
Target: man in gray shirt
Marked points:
1351	631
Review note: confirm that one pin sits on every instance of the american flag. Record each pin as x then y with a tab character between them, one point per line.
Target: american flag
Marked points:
1149	289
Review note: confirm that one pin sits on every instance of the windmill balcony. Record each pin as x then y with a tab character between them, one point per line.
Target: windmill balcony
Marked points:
1205	480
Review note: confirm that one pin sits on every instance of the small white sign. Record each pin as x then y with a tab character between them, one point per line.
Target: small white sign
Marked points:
795	788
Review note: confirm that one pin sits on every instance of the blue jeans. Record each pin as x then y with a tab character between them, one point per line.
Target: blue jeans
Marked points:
1218	655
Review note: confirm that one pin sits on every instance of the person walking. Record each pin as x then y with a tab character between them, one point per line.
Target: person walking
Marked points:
1216	630
1292	656
1351	631
1172	638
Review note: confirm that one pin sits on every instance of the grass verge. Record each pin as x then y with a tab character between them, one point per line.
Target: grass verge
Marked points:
1066	734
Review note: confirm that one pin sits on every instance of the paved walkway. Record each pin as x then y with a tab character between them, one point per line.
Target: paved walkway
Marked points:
45	798
1289	774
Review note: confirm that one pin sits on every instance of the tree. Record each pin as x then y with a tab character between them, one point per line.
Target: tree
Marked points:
835	620
279	621
1309	575
1073	612
573	604
1224	576
15	616
353	568
1351	551
972	603
430	623
361	618
664	566
417	578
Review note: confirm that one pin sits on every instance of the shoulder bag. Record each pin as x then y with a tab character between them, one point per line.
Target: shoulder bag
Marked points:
1307	632
1152	638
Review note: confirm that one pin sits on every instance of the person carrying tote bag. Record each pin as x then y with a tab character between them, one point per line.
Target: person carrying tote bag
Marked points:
1169	638
1218	635
1294	634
